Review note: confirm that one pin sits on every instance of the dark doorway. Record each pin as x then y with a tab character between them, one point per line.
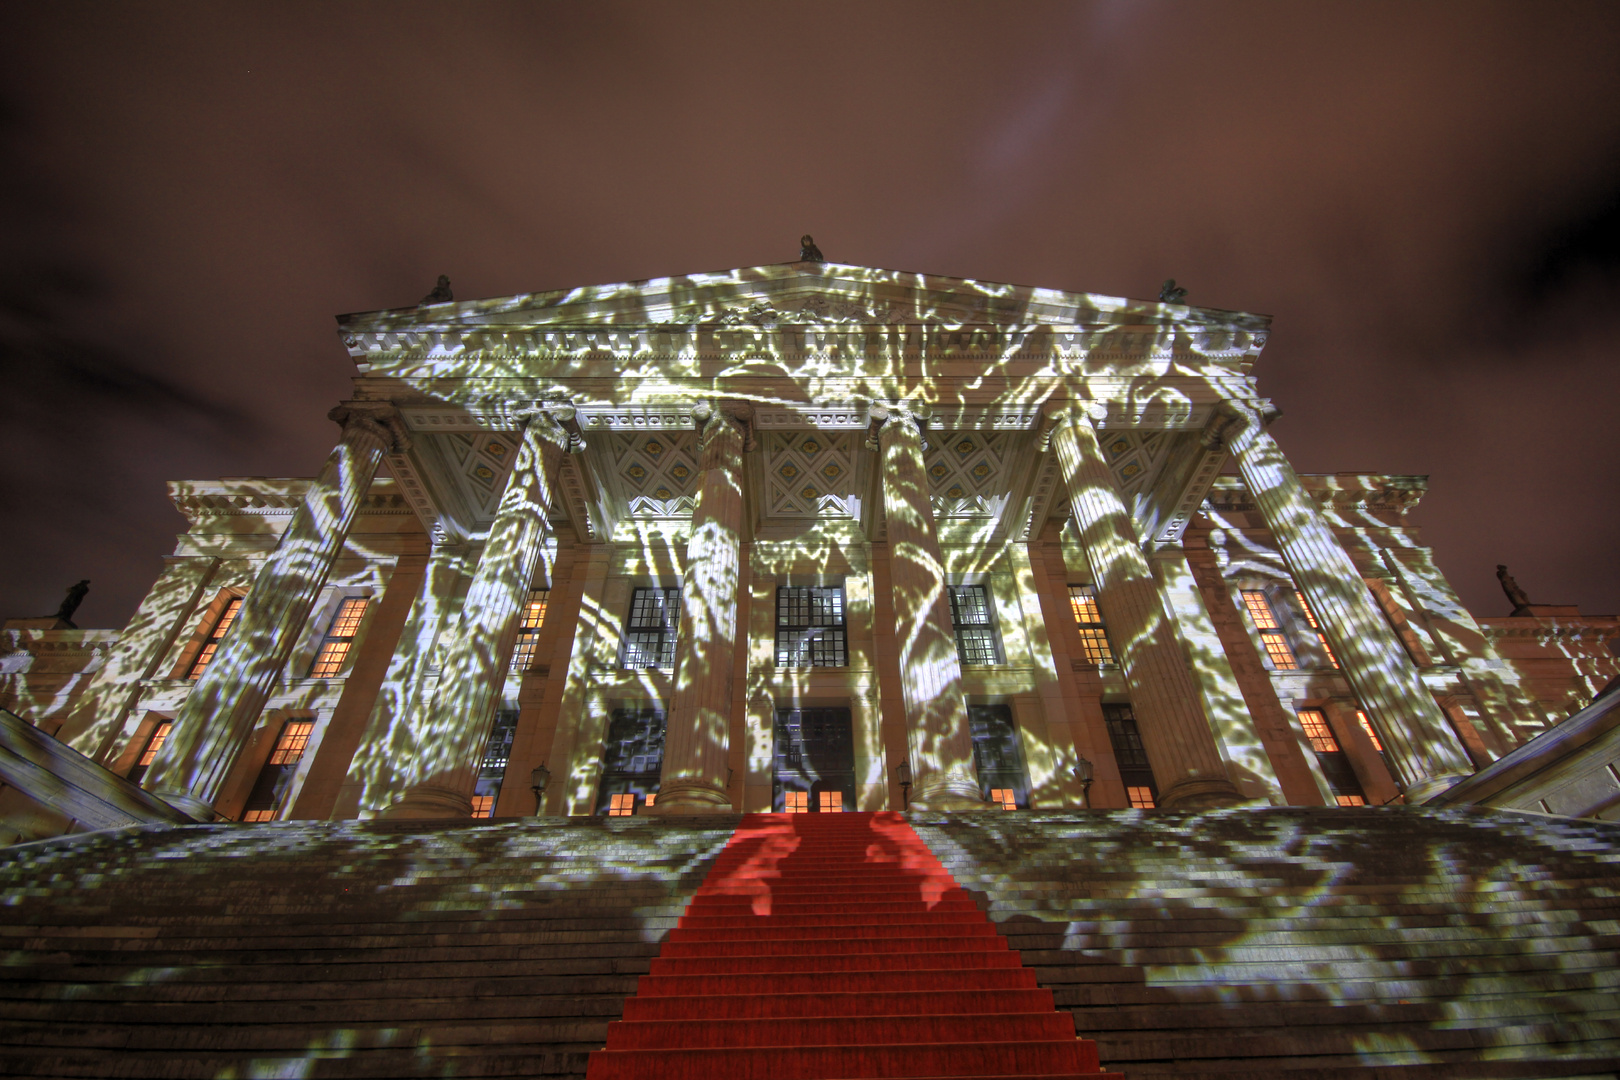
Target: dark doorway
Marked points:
632	760
813	768
998	756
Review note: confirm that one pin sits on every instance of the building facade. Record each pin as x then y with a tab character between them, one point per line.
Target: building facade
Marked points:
801	537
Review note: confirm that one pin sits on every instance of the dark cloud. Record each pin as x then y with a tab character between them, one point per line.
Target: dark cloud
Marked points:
1423	196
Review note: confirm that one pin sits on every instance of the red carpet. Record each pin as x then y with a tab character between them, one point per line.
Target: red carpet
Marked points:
829	946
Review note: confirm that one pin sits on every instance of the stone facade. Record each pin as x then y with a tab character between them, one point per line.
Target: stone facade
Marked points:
942	460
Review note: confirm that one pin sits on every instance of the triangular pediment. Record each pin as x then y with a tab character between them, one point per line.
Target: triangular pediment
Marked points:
804	293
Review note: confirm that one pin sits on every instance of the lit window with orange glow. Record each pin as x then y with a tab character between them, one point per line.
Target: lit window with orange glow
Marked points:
831	802
622	806
154	743
1321	638
1140	796
215	635
339	638
1130	755
1094	647
483	806
275	779
1004	797
1366	725
1336	767
1278	651
530	620
796	802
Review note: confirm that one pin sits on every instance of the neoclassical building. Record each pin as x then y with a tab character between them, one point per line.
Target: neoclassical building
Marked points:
806	537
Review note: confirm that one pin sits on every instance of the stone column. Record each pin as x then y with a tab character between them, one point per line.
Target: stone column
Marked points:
941	743
97	721
1167	703
696	742
225	702
451	733
379	770
1419	744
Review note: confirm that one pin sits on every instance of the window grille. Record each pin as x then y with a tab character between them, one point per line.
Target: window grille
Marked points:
632	759
650	629
831	802
275	779
1336	768
810	627
998	756
1094	647
339	638
796	802
530	620
813	760
492	770
215	636
622	805
1321	638
1131	756
154	743
976	641
1278	651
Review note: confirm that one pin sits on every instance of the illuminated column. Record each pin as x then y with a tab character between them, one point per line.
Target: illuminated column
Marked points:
379	769
930	670
1419	744
450	734
1175	732
225	702
97	721
696	740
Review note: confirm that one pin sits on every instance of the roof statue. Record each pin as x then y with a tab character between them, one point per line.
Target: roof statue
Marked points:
70	603
808	252
1171	293
1521	602
441	293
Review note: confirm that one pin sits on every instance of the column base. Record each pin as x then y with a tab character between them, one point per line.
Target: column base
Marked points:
947	793
1201	793
688	798
188	805
427	803
1429	787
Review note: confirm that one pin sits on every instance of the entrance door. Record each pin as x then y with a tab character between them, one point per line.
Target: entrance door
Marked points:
632	760
997	756
814	761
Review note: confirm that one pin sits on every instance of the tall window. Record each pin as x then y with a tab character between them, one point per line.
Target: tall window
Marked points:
1131	757
497	752
632	760
215	636
149	753
997	756
976	641
339	638
1272	638
810	629
1366	725
1321	638
530	620
1335	764
650	628
1094	647
275	779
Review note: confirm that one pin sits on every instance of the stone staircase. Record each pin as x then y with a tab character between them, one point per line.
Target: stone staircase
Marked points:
336	949
1313	944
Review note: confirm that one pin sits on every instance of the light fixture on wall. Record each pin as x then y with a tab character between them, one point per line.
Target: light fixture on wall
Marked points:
1082	773
902	776
538	779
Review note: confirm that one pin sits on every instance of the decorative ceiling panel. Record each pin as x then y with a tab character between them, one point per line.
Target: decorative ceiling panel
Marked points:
810	474
481	461
659	472
1135	456
968	472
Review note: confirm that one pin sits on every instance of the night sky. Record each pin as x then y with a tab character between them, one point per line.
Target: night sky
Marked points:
1425	197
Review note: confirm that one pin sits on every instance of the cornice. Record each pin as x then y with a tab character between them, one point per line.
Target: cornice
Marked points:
265	497
1342	491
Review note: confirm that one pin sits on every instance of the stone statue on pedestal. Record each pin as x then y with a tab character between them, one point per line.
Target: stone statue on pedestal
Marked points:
441	293
808	252
1521	602
70	604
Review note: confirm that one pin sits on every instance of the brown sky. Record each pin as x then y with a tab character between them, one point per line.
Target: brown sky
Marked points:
1426	197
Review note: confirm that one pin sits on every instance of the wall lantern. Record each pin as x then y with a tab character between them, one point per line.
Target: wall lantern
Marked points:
538	779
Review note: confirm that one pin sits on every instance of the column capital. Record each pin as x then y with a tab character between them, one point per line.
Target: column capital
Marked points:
1055	412
379	419
882	416
1233	418
709	418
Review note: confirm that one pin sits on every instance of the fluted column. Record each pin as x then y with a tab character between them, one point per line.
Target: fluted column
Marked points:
1175	732
1419	744
225	703
380	769
452	731
696	739
930	669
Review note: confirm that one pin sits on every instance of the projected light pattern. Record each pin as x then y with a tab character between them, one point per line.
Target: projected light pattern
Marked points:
312	949
1474	942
